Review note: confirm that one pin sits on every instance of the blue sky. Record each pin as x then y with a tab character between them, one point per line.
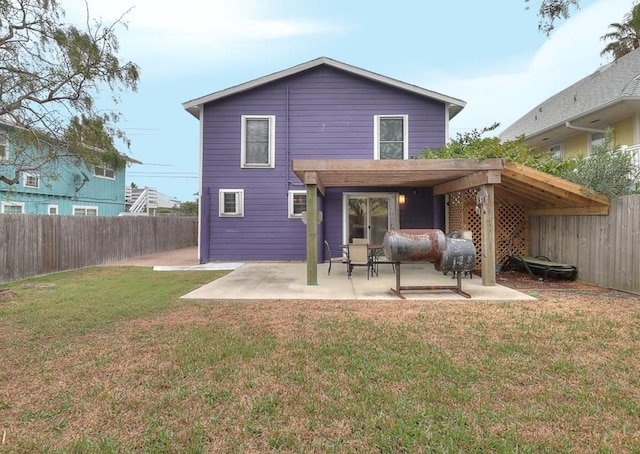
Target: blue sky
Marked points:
488	53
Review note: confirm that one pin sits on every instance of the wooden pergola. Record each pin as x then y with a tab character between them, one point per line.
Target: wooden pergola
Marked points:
539	193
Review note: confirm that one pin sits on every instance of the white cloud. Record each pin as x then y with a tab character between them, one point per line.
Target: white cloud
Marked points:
571	53
198	31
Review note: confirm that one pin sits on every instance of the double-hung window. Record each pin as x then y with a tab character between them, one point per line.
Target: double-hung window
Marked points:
231	203
258	141
297	203
4	147
596	139
391	137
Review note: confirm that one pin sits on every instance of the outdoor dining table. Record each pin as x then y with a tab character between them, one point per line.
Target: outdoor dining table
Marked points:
374	251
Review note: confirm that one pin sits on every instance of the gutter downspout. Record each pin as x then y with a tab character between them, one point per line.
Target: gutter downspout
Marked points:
580	128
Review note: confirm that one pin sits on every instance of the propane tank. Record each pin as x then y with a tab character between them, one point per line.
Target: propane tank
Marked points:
414	245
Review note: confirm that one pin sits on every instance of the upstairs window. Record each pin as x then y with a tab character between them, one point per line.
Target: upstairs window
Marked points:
297	203
31	180
391	137
104	171
258	141
231	203
4	147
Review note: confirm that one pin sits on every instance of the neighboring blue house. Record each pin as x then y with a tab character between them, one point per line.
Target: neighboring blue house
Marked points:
251	202
63	187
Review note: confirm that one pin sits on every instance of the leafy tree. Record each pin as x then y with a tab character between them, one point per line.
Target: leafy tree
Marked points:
50	74
189	208
552	10
625	35
608	170
472	145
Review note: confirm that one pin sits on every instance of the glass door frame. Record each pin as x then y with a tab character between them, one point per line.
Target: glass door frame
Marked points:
393	211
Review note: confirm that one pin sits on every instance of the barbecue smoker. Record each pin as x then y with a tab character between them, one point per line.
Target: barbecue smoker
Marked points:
429	245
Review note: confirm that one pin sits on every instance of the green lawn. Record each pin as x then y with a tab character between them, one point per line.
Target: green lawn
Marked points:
110	360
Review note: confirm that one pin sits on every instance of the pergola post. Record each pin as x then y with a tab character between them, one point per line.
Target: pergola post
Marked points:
485	202
312	234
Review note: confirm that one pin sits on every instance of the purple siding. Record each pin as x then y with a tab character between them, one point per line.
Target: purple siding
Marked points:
323	113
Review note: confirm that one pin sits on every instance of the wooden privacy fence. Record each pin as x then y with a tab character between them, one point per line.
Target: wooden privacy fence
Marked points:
606	249
33	245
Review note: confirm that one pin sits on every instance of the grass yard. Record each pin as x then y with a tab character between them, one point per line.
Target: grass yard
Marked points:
109	360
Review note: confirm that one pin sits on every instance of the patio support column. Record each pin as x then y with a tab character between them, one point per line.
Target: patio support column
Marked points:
485	202
312	234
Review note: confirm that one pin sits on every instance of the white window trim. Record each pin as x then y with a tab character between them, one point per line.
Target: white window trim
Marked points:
272	142
83	207
293	192
560	152
104	168
53	207
376	134
25	178
239	193
591	145
12	204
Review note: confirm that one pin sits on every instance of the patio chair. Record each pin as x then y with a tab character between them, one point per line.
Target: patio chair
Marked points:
541	266
330	257
358	255
378	258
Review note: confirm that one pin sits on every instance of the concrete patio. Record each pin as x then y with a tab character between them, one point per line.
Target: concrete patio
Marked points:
286	281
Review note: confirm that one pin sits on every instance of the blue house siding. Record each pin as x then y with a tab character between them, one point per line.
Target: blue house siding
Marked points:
63	185
321	113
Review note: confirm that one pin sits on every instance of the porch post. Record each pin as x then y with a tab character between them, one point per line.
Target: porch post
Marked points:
485	202
312	234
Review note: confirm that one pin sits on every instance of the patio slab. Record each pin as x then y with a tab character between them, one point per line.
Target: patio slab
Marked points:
287	280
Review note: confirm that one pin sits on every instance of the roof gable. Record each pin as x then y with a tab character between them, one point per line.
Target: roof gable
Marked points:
610	85
454	105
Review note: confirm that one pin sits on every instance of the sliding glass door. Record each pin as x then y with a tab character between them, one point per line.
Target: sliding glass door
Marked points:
369	216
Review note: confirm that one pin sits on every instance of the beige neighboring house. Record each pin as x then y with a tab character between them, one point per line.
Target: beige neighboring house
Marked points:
574	120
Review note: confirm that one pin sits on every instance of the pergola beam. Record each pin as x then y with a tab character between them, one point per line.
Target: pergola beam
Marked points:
470	181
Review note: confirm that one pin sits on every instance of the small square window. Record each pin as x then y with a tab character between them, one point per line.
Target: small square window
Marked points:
297	203
52	209
31	181
257	146
231	203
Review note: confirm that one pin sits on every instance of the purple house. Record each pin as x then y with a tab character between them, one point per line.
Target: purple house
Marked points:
252	204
